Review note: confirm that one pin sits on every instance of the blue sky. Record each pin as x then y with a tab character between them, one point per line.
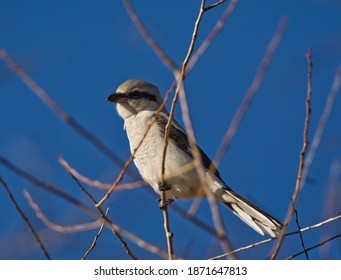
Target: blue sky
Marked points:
80	51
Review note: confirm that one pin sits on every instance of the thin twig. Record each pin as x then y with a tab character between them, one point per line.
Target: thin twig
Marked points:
314	247
169	234
251	92
214	5
148	38
328	107
26	220
55	227
106	186
301	235
96	237
331	202
297	190
60	112
271	239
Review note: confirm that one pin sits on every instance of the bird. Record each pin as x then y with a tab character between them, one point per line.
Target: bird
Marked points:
137	103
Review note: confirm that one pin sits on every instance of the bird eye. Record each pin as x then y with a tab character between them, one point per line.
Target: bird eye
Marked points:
135	94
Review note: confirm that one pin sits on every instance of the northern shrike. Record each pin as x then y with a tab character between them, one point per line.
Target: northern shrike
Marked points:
137	103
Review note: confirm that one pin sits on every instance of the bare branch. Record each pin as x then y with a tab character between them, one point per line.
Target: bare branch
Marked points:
26	220
148	38
301	235
60	112
105	186
314	247
251	92
56	227
96	237
46	186
297	190
328	107
214	5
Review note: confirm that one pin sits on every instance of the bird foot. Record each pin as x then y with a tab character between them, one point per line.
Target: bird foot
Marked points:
164	186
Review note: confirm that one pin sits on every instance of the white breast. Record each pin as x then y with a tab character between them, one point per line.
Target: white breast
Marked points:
148	157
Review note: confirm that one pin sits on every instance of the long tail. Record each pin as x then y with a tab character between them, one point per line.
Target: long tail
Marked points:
253	216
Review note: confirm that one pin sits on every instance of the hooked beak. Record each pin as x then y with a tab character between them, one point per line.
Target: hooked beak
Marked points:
117	98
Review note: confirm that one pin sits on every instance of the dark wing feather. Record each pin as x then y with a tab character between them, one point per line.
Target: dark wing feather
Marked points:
178	135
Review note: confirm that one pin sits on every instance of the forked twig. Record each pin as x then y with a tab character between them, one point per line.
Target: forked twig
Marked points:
26	220
297	190
103	216
209	39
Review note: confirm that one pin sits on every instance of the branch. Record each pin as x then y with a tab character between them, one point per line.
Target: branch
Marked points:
55	227
297	190
328	107
26	220
251	92
46	186
96	237
60	112
148	38
105	186
301	235
314	247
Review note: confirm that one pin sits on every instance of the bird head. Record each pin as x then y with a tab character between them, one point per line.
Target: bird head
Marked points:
135	96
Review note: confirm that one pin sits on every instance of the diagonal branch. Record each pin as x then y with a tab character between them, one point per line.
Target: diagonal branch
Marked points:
148	38
96	237
26	220
252	91
314	247
60	112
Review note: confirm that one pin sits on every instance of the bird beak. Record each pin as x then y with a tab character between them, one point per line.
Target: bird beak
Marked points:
117	98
